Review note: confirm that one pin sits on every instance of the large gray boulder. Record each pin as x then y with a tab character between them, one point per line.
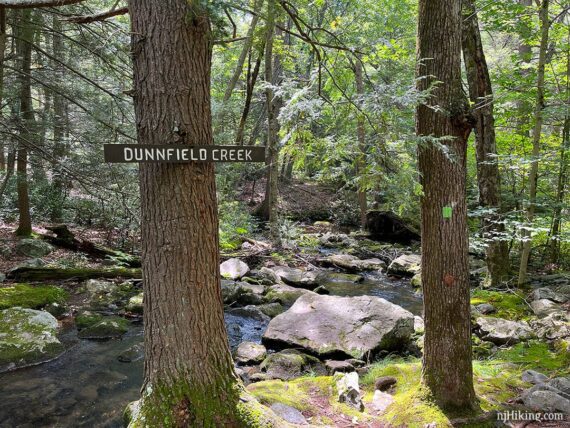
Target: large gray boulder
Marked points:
503	332
352	263
233	269
285	294
544	307
33	248
27	337
296	277
353	326
555	326
550	294
406	265
551	396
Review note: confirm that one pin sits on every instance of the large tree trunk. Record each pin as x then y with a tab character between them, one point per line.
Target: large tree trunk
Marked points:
189	377
447	368
26	120
536	135
360	160
488	179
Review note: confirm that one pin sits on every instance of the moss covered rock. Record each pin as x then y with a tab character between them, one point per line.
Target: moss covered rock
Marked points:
33	248
86	319
27	337
510	306
107	328
354	327
135	304
290	363
284	294
31	296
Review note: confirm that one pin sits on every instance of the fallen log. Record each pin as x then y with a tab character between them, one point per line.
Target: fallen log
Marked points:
37	274
64	238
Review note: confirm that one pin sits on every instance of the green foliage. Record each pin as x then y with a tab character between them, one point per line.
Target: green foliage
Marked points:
235	224
509	305
31	296
538	356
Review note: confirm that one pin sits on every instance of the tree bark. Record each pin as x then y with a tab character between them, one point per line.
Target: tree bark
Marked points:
554	244
488	178
252	79
244	52
26	120
447	368
536	135
2	53
59	125
31	4
10	163
189	377
360	160
268	209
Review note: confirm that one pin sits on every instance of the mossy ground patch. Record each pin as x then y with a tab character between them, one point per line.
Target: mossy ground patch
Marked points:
31	296
510	306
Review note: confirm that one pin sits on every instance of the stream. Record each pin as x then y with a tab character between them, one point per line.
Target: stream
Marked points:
89	387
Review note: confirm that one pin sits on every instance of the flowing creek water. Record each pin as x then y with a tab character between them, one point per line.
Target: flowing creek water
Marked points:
89	387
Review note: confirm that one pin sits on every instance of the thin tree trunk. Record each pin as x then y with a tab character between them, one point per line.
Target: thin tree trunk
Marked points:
560	194
244	52
268	208
2	53
360	160
189	377
536	134
26	121
59	125
554	245
10	163
252	79
488	178
447	368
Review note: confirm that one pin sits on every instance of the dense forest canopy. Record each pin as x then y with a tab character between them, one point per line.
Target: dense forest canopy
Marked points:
81	82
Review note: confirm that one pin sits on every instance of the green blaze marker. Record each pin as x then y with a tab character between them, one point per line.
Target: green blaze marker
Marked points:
447	211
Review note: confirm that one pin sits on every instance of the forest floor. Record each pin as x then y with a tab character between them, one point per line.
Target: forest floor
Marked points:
298	200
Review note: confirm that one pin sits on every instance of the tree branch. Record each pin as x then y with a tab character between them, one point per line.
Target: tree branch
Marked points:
26	4
97	16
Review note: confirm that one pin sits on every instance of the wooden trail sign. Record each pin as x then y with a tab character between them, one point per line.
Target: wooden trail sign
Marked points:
128	153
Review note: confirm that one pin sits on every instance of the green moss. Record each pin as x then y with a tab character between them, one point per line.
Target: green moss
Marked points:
31	296
496	383
509	305
184	403
107	327
87	319
276	391
536	355
254	415
24	341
